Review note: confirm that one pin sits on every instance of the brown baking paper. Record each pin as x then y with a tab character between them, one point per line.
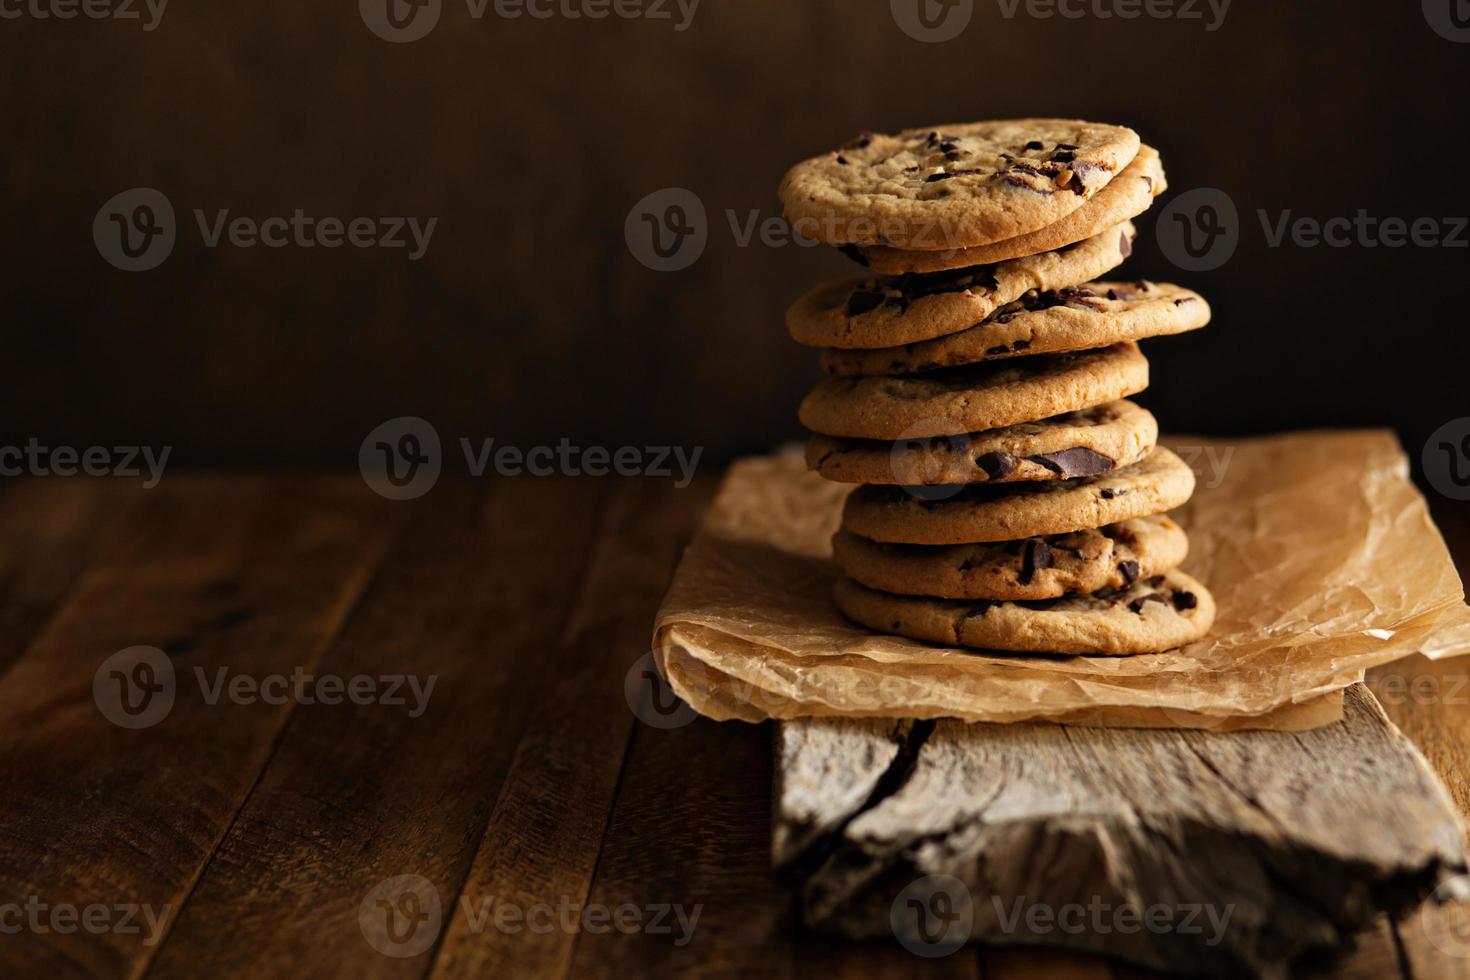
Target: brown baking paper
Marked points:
1320	553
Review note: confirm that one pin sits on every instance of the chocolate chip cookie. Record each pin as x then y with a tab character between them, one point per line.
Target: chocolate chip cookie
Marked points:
1096	314
1125	196
1151	616
954	186
1012	511
1084	443
975	397
889	311
1111	557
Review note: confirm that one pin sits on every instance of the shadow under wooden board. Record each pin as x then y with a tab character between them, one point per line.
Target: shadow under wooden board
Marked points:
1236	854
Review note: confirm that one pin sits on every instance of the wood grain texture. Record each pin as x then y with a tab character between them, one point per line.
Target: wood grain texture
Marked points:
1297	838
359	794
265	827
218	573
543	839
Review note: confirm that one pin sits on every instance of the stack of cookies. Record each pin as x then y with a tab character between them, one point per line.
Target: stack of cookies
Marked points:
1012	497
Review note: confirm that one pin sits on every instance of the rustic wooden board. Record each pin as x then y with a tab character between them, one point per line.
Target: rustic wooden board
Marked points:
216	572
1300	838
264	826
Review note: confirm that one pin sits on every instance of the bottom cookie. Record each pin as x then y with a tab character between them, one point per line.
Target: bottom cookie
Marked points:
1151	616
1082	562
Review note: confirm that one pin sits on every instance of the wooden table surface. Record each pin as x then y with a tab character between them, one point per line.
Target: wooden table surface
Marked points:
527	781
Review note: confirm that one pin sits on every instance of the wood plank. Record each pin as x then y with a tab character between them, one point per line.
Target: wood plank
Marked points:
691	827
1297	835
219	572
49	530
1430	702
359	795
543	839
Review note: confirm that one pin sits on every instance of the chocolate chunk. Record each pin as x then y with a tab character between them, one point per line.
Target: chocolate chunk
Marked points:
1036	145
1021	345
863	301
1037	556
854	253
1185	600
1015	181
1137	604
1078	461
1068	146
842	159
997	465
1063	156
1025	168
1129	570
863	141
1186	299
1125	245
1086	176
947	174
1110	494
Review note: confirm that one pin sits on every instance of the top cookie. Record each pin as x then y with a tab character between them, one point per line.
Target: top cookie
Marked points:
1125	196
954	186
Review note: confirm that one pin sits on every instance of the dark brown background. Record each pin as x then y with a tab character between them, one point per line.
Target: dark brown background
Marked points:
529	320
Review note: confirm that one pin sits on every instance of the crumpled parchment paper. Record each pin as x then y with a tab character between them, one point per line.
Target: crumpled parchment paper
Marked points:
1319	550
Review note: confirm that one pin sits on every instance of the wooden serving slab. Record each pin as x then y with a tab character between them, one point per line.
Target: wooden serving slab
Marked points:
1223	854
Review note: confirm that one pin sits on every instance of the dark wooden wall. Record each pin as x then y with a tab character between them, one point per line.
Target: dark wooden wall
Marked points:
529	320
